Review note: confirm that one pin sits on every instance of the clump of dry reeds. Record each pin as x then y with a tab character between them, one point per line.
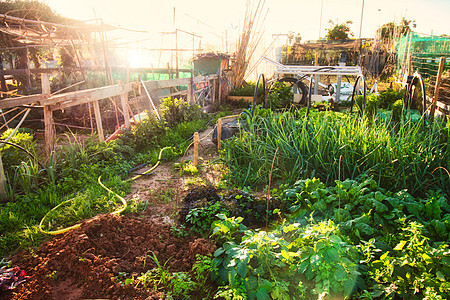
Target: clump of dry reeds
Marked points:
248	41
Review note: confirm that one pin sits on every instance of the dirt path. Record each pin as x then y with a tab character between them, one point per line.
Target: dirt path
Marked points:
164	189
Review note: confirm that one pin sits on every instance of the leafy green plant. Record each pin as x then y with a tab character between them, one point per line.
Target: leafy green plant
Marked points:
411	267
12	156
397	110
179	230
203	268
247	90
236	292
278	264
199	219
182	284
187	167
389	230
280	95
387	98
178	110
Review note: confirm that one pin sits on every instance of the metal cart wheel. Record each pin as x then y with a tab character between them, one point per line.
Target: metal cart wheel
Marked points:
301	87
261	76
415	96
357	90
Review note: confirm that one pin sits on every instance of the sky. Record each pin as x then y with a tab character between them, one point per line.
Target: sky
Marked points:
218	22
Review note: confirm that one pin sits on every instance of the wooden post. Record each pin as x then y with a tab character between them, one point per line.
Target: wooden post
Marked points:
437	86
214	90
196	141
98	120
316	77
190	95
219	133
410	70
220	88
3	194
189	92
126	112
48	116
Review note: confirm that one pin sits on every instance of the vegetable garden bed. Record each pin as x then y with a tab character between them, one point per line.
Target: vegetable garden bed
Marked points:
359	211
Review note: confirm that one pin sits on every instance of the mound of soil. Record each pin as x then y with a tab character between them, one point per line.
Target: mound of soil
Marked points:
82	263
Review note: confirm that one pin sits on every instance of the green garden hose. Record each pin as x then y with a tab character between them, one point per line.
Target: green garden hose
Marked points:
124	202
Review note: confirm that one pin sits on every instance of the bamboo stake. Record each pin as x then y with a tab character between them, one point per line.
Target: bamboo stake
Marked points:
437	86
219	132
196	141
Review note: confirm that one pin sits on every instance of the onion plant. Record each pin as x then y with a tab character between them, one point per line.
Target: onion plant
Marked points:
398	155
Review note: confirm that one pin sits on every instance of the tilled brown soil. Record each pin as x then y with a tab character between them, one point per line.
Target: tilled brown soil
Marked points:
82	263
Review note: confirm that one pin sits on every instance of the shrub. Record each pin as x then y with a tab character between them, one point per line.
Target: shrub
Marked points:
178	110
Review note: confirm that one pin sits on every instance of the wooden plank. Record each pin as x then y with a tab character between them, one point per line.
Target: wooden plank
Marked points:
219	133
214	90
45	84
436	88
441	105
196	141
163	84
126	113
49	130
25	100
206	78
98	120
80	97
48	116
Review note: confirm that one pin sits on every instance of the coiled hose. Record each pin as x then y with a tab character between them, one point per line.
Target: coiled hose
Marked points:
124	202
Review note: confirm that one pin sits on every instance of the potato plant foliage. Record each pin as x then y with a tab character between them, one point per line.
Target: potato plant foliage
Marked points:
376	245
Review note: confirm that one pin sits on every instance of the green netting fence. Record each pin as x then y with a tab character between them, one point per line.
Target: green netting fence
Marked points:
425	51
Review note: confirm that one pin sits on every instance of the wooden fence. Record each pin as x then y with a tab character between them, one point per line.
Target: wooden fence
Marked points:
51	102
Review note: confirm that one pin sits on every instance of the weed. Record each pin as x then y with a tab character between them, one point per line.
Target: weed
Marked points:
186	167
164	195
53	275
203	268
179	231
196	181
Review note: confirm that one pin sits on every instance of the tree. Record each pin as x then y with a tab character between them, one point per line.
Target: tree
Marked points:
339	31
